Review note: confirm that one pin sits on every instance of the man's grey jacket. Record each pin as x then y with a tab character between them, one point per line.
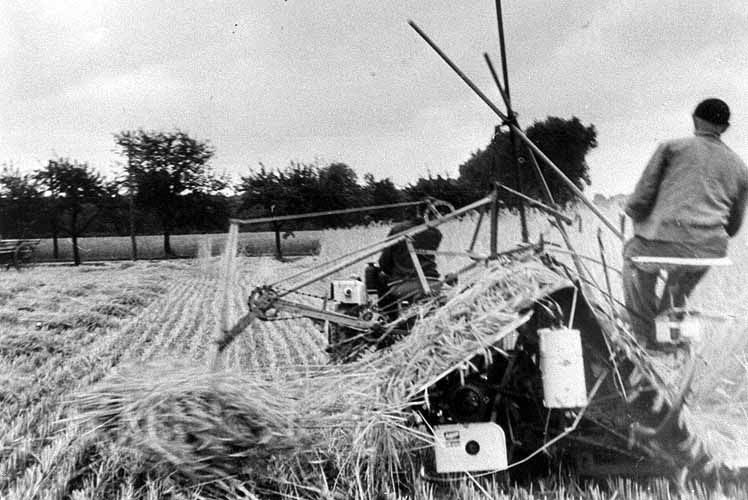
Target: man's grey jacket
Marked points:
694	192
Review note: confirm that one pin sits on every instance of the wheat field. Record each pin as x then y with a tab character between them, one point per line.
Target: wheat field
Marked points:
64	330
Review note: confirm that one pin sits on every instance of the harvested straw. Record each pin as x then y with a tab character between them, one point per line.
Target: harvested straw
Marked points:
187	421
719	403
212	426
474	317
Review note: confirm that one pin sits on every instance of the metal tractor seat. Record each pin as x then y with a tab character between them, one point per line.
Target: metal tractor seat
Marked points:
656	264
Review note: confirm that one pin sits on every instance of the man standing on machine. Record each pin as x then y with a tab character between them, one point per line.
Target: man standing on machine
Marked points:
690	199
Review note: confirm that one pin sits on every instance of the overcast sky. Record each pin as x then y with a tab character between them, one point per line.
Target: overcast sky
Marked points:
333	80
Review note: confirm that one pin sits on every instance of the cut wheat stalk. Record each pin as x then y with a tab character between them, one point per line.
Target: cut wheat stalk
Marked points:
204	426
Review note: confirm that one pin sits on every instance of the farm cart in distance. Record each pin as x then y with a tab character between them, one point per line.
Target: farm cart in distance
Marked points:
18	253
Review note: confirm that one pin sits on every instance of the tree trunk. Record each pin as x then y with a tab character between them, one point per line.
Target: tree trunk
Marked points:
166	221
167	243
131	213
278	254
74	236
55	234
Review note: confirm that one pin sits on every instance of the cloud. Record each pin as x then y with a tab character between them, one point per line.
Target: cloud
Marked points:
274	81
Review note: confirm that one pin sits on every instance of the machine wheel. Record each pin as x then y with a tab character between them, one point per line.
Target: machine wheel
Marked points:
24	256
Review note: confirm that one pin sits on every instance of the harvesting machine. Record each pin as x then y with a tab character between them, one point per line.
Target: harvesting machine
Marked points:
568	383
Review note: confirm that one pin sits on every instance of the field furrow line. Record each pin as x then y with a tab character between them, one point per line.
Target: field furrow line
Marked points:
247	359
179	312
203	325
267	355
28	434
61	375
139	333
311	345
210	327
280	342
162	323
239	358
56	369
87	371
316	336
243	348
191	314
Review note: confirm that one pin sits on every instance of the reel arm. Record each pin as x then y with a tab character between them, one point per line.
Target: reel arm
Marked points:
265	304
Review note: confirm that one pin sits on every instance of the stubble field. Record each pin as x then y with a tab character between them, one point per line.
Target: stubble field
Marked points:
64	329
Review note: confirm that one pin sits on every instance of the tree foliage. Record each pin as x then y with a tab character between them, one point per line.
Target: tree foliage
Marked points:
382	192
20	202
441	187
77	195
176	190
167	169
303	188
565	142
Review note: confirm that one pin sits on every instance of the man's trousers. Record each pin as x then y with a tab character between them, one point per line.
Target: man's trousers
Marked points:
640	284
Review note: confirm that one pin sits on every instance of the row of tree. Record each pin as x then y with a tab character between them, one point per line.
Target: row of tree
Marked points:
166	185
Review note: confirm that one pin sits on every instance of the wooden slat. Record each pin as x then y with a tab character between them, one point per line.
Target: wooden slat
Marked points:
10	246
682	261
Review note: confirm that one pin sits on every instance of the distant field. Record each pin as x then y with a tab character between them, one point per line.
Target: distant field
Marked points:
183	245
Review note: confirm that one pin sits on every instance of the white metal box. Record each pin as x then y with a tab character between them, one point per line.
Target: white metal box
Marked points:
478	446
562	366
348	292
676	326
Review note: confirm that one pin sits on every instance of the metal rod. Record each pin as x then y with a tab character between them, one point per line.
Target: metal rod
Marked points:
534	160
502	49
447	253
388	242
510	114
494	222
538	171
467	208
536	203
553	248
425	288
477	230
573	307
613	312
502	92
567	430
570	184
281	218
604	262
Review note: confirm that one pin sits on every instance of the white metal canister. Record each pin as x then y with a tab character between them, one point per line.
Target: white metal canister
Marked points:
676	326
562	366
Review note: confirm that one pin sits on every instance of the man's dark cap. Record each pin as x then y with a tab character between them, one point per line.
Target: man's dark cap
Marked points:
713	110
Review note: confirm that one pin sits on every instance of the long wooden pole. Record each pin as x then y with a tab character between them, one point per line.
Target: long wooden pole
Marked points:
281	218
494	230
541	178
519	132
550	210
361	254
510	113
534	161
